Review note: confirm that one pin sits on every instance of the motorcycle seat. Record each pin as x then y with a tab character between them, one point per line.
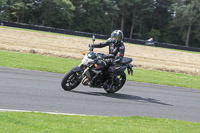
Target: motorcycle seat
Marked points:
126	60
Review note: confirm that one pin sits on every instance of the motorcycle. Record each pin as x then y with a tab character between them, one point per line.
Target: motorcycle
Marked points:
92	72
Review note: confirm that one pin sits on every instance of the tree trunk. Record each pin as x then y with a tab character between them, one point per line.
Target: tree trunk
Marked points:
123	18
22	18
140	31
188	36
122	23
132	27
112	24
23	14
154	20
18	18
43	22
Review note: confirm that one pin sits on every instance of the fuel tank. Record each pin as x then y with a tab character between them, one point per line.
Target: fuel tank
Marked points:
100	65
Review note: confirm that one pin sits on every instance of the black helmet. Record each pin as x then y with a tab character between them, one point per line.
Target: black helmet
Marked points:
117	36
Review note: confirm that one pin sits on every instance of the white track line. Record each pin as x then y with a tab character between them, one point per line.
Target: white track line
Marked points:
11	110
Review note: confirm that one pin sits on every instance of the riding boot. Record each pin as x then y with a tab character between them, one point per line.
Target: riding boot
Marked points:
111	80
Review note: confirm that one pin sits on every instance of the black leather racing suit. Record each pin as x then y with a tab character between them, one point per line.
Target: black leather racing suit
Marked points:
116	49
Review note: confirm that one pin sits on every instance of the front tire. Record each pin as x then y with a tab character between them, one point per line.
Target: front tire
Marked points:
119	82
70	81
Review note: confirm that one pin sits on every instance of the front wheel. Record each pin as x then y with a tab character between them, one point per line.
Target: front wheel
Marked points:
119	82
70	81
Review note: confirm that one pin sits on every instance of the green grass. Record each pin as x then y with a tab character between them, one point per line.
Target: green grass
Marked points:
36	62
165	78
17	122
62	65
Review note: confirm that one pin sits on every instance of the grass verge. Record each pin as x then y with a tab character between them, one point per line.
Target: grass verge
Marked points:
41	122
62	65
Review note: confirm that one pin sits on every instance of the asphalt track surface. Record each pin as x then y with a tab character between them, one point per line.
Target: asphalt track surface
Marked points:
41	91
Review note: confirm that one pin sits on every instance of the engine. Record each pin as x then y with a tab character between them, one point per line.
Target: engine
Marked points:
85	81
95	82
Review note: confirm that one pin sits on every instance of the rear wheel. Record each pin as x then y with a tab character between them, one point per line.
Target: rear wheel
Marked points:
119	82
70	81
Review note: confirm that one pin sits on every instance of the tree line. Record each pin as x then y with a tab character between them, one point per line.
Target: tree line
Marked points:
169	21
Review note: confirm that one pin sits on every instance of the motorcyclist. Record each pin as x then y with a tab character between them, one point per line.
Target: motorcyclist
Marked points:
116	50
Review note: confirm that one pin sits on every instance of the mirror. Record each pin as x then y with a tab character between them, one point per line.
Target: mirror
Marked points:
93	38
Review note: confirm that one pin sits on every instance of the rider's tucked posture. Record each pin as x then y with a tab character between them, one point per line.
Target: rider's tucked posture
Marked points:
116	48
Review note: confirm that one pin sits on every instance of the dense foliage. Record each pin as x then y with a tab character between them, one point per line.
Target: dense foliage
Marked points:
170	21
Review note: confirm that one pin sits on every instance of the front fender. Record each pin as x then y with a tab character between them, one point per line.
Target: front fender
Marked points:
76	69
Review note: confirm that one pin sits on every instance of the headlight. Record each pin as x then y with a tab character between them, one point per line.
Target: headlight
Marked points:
86	60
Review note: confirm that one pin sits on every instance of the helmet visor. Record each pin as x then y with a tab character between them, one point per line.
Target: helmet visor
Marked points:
115	38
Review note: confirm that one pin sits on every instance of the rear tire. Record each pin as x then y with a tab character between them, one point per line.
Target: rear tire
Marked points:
119	82
70	81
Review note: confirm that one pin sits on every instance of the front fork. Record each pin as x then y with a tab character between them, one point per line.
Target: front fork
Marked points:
81	65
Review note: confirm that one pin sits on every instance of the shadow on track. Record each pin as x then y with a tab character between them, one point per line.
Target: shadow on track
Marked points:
123	97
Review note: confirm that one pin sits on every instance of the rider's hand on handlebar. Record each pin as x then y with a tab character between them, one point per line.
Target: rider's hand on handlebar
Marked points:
90	47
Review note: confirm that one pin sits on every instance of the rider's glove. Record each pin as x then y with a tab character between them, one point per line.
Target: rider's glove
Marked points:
90	45
91	48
